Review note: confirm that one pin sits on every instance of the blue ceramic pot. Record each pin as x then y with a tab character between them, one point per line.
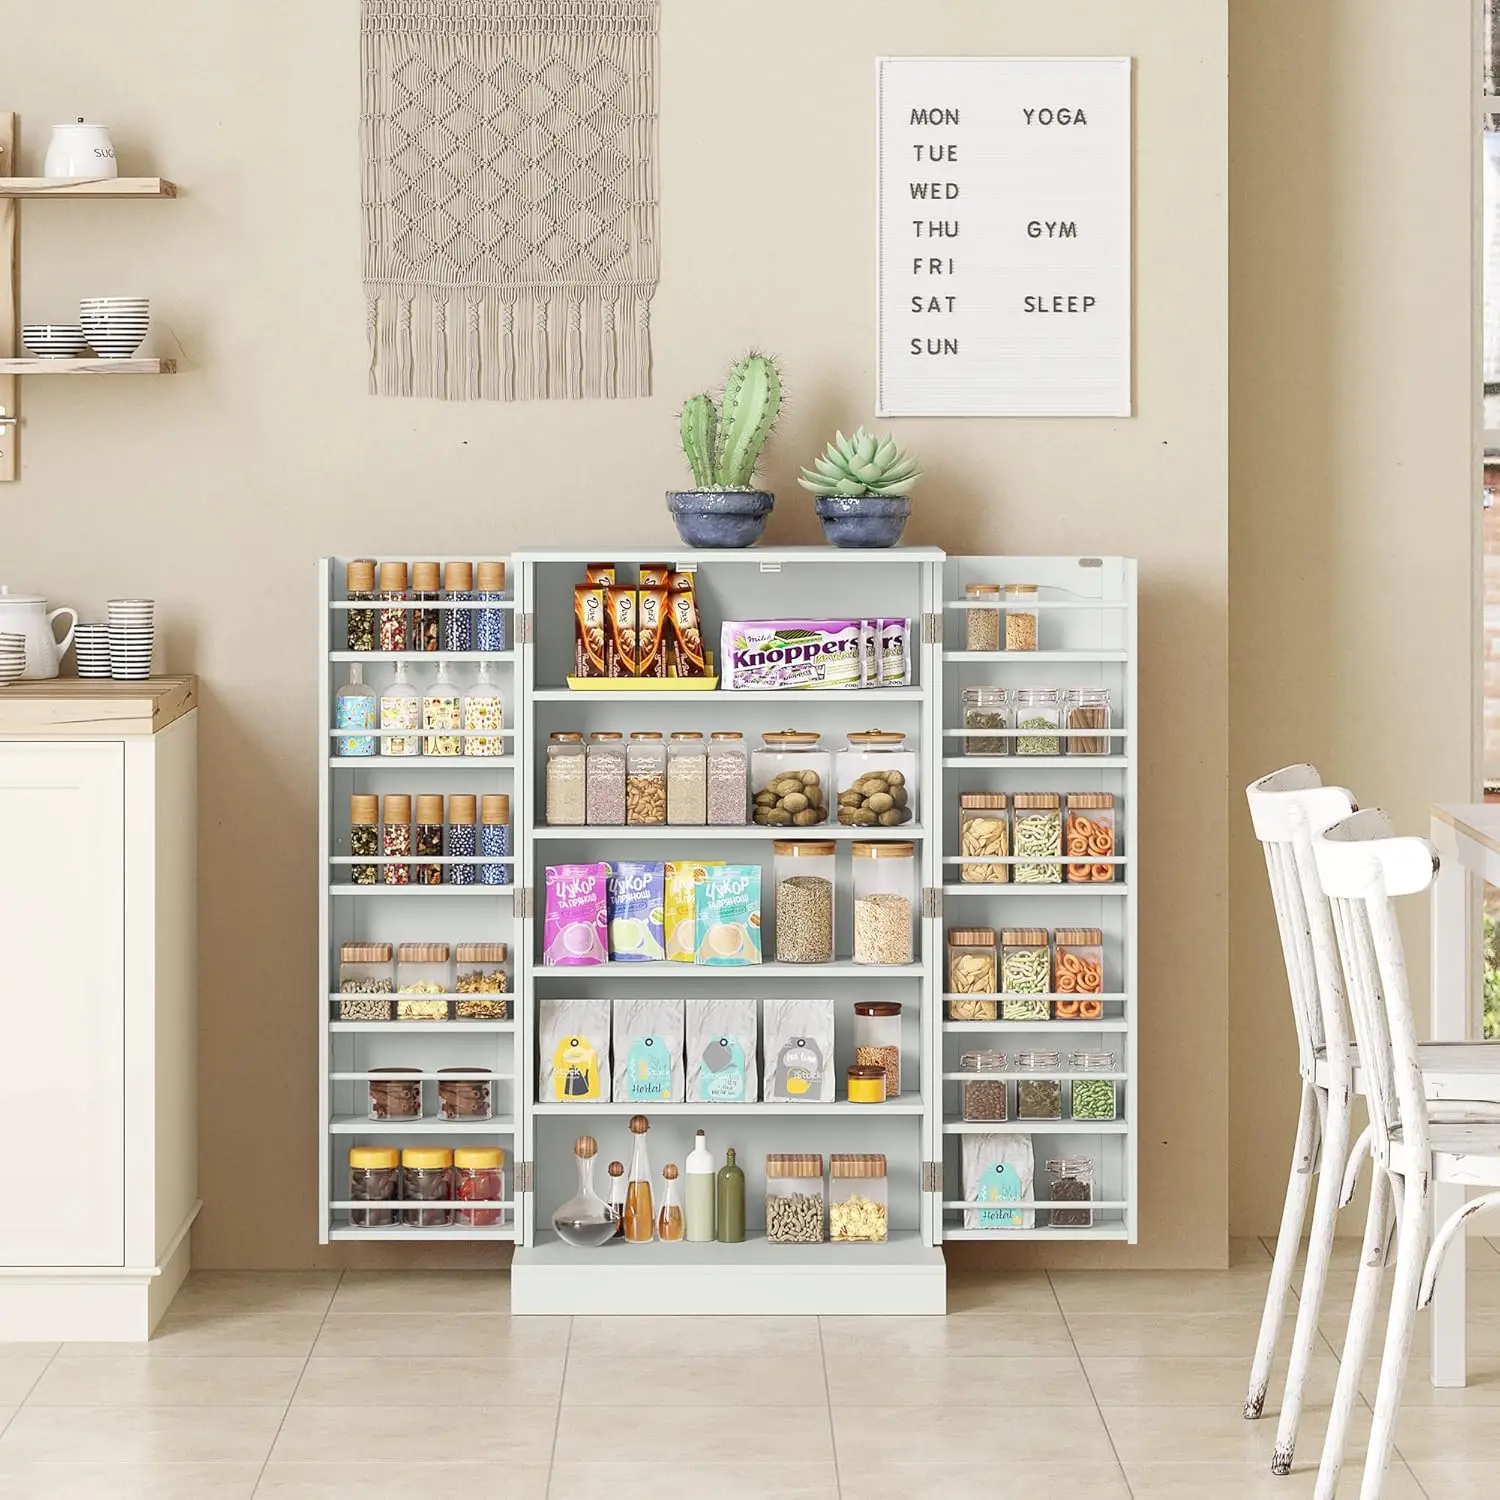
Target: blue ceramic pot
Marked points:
864	520
720	518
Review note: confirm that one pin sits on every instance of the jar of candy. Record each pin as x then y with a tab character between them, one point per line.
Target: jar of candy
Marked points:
479	1178
426	1177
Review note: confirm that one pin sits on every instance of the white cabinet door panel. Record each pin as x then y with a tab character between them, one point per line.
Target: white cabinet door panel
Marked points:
62	1003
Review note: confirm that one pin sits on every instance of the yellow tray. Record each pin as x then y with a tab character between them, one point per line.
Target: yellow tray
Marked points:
643	684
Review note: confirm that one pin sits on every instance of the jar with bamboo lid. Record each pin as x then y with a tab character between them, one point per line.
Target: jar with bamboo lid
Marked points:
1036	837
359	583
790	777
426	618
492	623
395	838
982	623
646	778
394	633
858	1203
805	871
973	975
877	1040
483	983
458	624
1078	973
1025	974
466	1093
566	774
367	980
494	838
423	971
1021	616
364	835
984	836
877	780
885	902
463	838
687	778
796	1209
395	1093
427	840
1089	838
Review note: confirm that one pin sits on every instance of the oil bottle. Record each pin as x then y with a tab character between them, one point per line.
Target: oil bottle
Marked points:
669	1222
640	1216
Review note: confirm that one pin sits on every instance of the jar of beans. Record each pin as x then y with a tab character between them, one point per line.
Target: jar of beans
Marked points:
1036	838
395	839
374	1177
1025	974
394	622
973	974
1038	716
606	779
479	1178
795	1206
687	779
465	1094
1021	616
1093	1098
877	780
790	775
367	980
982	1097
877	1040
360	584
565	779
646	778
804	901
728	779
1089	837
1070	1179
1078	973
426	1177
982	622
427	840
395	1094
364	836
426	618
885	903
1039	1089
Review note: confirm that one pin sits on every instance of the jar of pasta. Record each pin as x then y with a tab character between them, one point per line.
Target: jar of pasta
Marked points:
1038	717
1021	616
796	1209
1025	974
482	981
423	970
983	835
1036	836
1039	1089
367	980
973	980
1078	973
857	1199
1089	836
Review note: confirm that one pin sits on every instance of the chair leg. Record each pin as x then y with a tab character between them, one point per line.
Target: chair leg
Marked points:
1356	1339
1293	1213
1314	1277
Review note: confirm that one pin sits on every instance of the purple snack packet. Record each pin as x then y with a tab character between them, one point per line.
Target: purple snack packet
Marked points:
576	930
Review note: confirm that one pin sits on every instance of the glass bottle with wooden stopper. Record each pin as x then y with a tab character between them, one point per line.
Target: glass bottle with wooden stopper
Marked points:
359	579
729	1201
393	622
426	620
669	1222
640	1215
585	1220
427	840
617	1197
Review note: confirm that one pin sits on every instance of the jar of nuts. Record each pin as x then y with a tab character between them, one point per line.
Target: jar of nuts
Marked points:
795	1207
857	1199
983	1098
973	975
646	778
877	780
790	776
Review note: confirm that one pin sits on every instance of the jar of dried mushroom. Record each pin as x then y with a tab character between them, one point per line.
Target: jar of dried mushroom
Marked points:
482	979
982	622
1038	716
395	1094
986	709
877	1040
1093	1098
728	779
458	624
1089	838
1078	973
1070	1179
982	1098
426	618
1036	837
646	778
795	1206
423	971
605	805
375	1178
687	778
1086	717
804	901
790	776
1025	974
566	776
494	838
465	1094
877	780
983	835
395	839
1039	1089
1021	616
858	1205
463	838
427	841
885	903
364	836
394	622
973	975
426	1177
359	579
367	980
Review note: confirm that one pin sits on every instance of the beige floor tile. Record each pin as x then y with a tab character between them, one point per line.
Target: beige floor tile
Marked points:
1483	1389
903	1480
679	1379
72	1380
121	1481
1171	1380
1125	1334
1228	1481
712	1435
1241	1292
257	1291
1218	1434
18	1377
141	1434
786	1337
1447	1434
670	1479
431	1380
1458	1481
1000	1293
399	1481
477	1335
27	1351
1038	1334
1246	1252
482	1434
269	1335
933	1435
422	1292
1345	1254
1049	1380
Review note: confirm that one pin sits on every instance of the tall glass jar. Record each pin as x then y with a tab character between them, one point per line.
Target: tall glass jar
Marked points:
796	1209
877	1040
728	779
982	624
877	780
494	838
606	779
885	903
458	624
1093	1098
986	709
395	839
374	1178
790	776
1036	835
973	974
426	1177
359	579
426	618
484	716
364	836
479	1178
400	708
1038	1090
687	779
1038	716
646	778
424	977
566	776
427	841
1089	838
492	625
804	902
1021	616
463	838
982	1098
1078	973
367	980
983	835
1025	974
394	622
1086	717
858	1207
1070	1179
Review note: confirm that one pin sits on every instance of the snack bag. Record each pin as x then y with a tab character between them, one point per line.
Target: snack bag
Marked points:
620	640
799	1056
636	914
998	1169
573	1047
648	1051
651	633
590	609
721	1063
681	908
728	924
576	926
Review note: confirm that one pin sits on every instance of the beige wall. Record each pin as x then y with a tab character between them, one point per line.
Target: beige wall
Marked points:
1353	492
214	492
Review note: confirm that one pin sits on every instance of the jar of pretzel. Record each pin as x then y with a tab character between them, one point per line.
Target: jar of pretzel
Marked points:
1089	838
1078	974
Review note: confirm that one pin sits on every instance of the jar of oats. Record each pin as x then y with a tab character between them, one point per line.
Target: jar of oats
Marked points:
885	903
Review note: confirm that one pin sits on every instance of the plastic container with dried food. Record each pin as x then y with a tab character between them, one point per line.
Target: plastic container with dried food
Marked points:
1089	837
646	778
1086	717
395	839
1070	1180
983	1098
804	901
877	1040
1093	1098
423	970
1038	716
367	981
374	1178
877	780
791	776
865	1083
1025	974
687	778
987	710
605	806
982	623
566	779
394	1094
482	981
973	974
465	1094
983	834
364	836
426	1177
728	779
479	1178
1022	617
1036	834
858	1203
1078	973
1039	1092
796	1210
885	903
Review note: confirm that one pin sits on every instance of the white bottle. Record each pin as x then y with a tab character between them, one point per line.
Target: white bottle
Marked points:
484	710
399	710
440	710
699	1173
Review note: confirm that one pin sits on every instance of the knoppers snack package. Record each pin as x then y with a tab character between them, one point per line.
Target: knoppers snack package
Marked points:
772	654
681	907
728	915
636	912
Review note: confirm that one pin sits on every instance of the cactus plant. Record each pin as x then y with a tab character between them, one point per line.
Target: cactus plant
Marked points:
861	465
723	444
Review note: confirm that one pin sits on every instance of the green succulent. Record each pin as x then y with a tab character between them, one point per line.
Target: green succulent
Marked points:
723	443
862	465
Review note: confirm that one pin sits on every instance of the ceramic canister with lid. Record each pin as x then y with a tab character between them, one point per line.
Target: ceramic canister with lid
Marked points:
81	148
26	614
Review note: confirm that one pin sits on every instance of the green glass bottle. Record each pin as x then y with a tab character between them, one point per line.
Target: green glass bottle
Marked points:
731	1201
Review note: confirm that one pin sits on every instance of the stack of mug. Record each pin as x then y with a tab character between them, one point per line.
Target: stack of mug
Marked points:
91	649
12	658
132	636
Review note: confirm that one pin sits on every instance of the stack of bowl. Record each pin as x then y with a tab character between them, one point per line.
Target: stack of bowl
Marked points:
12	658
91	649
114	326
53	340
132	637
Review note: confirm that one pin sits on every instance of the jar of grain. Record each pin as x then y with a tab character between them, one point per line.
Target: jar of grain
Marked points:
1039	1092
1036	838
1093	1098
646	778
877	1040
987	710
465	1094
606	779
426	1177
367	980
1025	974
565	779
423	971
374	1177
885	903
795	1205
1070	1179
790	776
858	1206
728	779
983	835
1078	973
982	623
973	975
394	1094
687	779
1021	616
877	780
1038	716
1089	838
1086	717
983	1098
804	901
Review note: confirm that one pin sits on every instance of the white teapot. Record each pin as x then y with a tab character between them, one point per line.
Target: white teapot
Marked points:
26	614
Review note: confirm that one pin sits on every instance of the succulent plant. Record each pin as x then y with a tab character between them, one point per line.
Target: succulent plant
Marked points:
861	465
723	443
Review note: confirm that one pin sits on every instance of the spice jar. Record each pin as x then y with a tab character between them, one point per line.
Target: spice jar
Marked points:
973	975
1025	974
395	1094
983	1098
982	623
795	1205
646	778
804	902
441	709
877	1040
866	1083
983	834
1036	834
484	716
1021	616
1038	1097
364	835
465	1094
367	980
427	841
885	888
395	839
359	583
482	976
1078	973
1038	716
400	708
458	624
463	838
790	775
423	969
687	778
393	622
1070	1179
426	1177
1093	1098
373	1178
1086	716
492	626
426	618
728	779
605	805
1089	837
566	777
494	838
857	1200
479	1177
986	708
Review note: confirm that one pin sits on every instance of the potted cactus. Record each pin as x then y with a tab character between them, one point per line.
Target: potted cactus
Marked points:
862	484
723	445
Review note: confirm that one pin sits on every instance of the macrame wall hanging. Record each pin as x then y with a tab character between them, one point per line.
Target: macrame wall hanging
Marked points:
510	203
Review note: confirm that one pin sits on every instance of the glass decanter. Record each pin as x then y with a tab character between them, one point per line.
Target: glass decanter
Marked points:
584	1220
640	1217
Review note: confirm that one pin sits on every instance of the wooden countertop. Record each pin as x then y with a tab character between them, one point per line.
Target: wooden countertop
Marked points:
116	710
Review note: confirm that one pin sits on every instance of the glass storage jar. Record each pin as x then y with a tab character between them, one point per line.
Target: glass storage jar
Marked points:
857	1199
885	903
982	624
1089	837
1021	616
426	618
494	838
458	624
1025	974
491	625
1093	1098
790	776
877	780
479	1178
1036	835
426	1177
364	836
483	984
646	778
973	975
463	838
1039	1092
877	1040
983	1098
393	622
983	834
728	779
427	841
986	709
1078	973
865	1083
359	578
423	970
565	779
465	1094
1086	716
395	839
687	779
1038	716
1070	1179
606	779
394	1094
795	1207
804	901
374	1178
367	980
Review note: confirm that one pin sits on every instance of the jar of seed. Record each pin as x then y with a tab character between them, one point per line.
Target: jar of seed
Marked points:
1025	974
426	1177
458	624
1039	1091
1036	836
395	839
795	1205
606	779
394	622
983	835
1038	716
364	836
424	972
877	1040
426	618
877	780
973	975
646	778
566	778
790	775
1086	717
394	1094
375	1178
728	779
1093	1098
986	709
804	902
427	841
359	579
687	778
367	980
483	983
1070	1179
982	623
858	1204
463	838
494	838
885	903
983	1098
1021	616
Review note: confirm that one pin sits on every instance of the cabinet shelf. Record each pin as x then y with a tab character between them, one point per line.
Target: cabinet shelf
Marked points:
412	1233
806	973
1074	1027
907	832
906	1104
432	1028
1036	1127
724	695
67	188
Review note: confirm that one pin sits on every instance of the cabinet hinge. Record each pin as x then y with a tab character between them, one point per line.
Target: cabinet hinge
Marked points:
526	629
523	902
932	630
932	1177
932	901
525	1177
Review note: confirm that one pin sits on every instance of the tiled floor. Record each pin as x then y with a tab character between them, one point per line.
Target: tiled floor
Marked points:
370	1385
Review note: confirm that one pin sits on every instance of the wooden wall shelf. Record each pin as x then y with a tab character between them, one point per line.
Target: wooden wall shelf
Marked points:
88	366
87	187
